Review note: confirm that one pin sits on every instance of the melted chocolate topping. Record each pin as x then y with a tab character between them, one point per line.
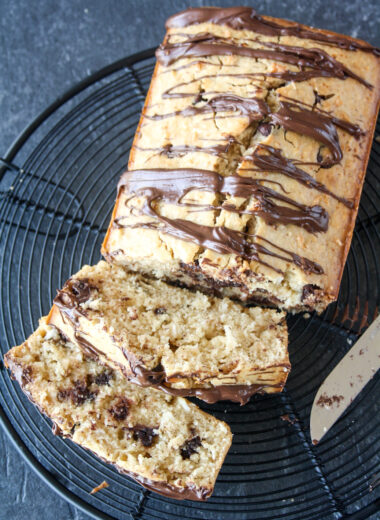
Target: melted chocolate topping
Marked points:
235	393
67	301
220	239
173	151
311	123
348	127
246	18
286	75
205	44
292	115
171	186
228	241
157	378
252	108
272	160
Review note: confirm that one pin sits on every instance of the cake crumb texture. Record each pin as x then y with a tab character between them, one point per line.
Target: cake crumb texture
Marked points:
157	333
164	442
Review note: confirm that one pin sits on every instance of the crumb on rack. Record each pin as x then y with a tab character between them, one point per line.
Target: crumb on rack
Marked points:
103	485
287	418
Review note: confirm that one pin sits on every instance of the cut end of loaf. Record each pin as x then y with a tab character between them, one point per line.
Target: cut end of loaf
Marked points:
183	342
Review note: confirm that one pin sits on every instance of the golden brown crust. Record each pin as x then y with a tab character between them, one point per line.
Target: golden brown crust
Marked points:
285	22
351	225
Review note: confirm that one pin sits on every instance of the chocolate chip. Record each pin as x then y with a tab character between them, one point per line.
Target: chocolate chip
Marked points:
189	447
78	394
173	347
103	378
144	434
120	409
309	290
160	310
27	375
80	288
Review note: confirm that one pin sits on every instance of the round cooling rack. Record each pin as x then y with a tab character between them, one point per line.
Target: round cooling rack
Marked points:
57	189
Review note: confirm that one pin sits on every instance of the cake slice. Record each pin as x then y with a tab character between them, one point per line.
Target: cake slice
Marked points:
247	166
183	342
163	442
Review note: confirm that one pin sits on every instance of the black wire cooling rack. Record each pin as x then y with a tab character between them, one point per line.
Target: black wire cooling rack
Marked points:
57	188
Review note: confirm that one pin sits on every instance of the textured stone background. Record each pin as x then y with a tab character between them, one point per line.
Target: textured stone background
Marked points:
45	47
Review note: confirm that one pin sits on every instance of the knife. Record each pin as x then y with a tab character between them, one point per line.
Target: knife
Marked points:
345	382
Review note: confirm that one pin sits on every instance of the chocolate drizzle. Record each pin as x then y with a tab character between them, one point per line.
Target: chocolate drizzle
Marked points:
174	151
205	44
348	127
246	18
272	160
228	241
171	186
252	108
286	75
157	378
292	115
68	302
154	186
235	393
311	123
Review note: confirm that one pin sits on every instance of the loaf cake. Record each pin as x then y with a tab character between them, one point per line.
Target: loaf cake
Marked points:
185	343
163	442
247	166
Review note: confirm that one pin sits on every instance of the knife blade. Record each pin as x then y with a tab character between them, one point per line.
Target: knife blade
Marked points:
345	382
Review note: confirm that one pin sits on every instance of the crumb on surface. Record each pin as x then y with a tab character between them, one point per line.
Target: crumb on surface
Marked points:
101	486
